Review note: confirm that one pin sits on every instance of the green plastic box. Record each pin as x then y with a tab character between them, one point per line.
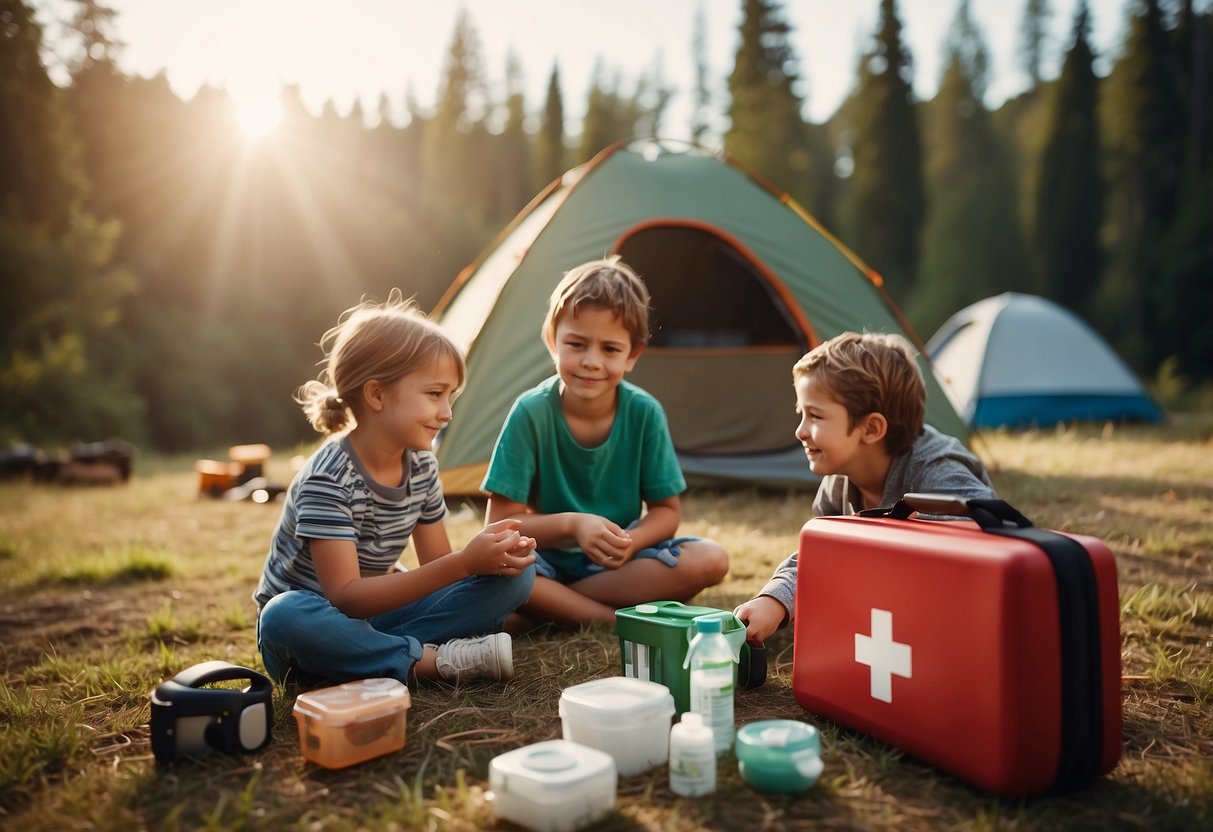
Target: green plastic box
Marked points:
653	641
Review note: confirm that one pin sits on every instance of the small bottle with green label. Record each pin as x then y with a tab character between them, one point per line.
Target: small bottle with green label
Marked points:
692	757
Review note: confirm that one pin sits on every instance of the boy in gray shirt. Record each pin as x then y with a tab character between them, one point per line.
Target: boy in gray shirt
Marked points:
861	401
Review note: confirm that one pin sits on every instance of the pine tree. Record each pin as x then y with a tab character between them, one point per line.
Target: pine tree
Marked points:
449	154
1194	41
610	115
1143	120
965	48
650	101
94	101
600	125
1033	39
972	243
549	143
766	131
514	176
1186	257
61	374
40	168
886	207
701	93
1069	199
94	23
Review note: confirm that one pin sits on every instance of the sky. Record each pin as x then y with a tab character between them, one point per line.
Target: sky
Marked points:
361	49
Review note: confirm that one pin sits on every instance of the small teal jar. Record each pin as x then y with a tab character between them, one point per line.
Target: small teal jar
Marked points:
779	755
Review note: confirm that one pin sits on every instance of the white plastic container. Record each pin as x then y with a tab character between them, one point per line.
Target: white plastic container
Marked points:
692	757
347	724
627	718
553	786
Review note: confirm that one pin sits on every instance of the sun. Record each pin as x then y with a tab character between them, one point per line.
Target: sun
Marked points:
257	114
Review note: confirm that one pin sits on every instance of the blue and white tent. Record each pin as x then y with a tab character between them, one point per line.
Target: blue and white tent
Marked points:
1019	360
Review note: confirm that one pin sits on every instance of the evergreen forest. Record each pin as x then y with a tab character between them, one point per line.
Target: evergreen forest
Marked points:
165	280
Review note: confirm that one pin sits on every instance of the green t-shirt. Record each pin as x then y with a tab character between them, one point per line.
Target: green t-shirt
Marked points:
538	462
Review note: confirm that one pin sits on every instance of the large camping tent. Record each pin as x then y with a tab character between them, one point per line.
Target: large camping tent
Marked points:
1019	360
743	282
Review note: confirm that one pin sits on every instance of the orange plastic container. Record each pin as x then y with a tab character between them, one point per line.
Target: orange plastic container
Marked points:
244	455
352	723
214	477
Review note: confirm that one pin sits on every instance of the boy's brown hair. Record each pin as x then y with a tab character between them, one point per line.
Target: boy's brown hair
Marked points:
601	284
871	373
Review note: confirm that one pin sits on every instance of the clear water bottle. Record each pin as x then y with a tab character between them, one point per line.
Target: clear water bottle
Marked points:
713	679
692	757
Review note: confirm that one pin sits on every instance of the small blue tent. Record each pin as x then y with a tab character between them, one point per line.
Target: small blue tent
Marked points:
1018	360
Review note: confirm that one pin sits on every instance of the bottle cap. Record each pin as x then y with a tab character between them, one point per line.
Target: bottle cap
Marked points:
708	625
692	719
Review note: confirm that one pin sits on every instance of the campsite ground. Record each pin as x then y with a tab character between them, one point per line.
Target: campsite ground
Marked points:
105	592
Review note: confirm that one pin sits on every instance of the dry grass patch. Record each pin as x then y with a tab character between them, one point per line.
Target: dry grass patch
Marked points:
106	592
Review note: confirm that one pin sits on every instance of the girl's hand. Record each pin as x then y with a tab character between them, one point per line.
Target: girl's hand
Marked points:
762	617
602	541
499	550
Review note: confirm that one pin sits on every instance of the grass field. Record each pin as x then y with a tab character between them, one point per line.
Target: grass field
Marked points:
107	591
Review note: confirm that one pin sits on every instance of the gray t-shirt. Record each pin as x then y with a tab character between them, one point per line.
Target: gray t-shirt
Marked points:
936	464
334	498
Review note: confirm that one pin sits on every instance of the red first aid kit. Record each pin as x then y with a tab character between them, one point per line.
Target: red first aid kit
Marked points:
985	646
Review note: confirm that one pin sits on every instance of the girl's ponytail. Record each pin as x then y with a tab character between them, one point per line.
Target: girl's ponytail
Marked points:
326	411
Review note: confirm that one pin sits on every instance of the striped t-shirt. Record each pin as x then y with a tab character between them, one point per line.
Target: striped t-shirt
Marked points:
333	498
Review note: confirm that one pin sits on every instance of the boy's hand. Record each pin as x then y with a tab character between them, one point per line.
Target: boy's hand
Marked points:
499	550
602	541
762	617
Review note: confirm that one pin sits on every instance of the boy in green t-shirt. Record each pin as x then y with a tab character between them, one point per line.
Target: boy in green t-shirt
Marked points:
582	455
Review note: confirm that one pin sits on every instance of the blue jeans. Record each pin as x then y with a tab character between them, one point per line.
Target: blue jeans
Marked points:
300	634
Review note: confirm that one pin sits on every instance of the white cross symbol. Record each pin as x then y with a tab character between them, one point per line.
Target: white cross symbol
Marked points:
885	656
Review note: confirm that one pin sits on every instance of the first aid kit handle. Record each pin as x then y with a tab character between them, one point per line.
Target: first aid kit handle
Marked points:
989	514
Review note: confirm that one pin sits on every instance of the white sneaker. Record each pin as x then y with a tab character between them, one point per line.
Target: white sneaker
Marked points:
486	657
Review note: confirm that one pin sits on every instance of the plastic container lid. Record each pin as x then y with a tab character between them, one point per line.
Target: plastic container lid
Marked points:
616	696
354	702
777	737
552	771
